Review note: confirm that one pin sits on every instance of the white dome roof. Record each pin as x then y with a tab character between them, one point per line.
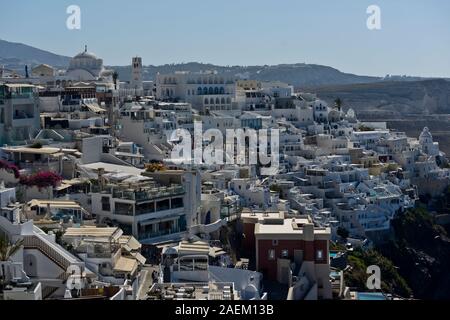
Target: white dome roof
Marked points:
86	61
85	54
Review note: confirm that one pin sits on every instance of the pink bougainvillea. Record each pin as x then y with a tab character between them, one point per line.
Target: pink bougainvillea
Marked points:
41	180
10	167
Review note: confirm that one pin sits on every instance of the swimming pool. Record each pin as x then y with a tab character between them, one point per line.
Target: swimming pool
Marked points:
370	296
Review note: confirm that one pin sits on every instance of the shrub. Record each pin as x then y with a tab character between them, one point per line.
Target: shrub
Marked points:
36	145
153	167
342	232
41	180
10	167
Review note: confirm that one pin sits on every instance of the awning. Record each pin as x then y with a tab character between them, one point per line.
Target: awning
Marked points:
125	265
130	243
216	251
43	150
19	85
63	186
139	257
54	204
94	107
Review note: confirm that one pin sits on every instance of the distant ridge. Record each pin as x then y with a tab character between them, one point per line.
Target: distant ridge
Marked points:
16	55
301	75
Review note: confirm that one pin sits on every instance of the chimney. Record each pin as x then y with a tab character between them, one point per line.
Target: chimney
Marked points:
100	173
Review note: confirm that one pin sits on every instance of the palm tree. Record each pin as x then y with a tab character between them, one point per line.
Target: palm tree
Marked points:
7	250
338	103
115	76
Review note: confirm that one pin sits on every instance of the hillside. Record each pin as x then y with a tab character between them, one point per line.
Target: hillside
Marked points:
421	252
16	55
299	74
406	106
392	98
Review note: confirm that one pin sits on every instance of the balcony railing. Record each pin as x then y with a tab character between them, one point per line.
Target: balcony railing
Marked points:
149	194
160	233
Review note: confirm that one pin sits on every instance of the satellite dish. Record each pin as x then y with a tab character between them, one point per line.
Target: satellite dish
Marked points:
251	292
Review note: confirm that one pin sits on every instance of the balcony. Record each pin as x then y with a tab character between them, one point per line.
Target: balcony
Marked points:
21	96
160	233
149	194
23	115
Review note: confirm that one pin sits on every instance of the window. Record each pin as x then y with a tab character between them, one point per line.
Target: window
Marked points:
274	242
285	253
319	254
106	206
271	254
177	203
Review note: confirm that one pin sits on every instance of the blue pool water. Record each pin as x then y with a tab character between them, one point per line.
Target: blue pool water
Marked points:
333	255
370	296
335	274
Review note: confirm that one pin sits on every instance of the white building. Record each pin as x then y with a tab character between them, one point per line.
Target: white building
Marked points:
204	90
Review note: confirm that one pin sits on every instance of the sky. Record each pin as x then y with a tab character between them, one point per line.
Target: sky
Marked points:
414	38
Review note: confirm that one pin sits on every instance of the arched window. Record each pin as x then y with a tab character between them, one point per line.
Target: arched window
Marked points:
216	90
211	90
221	90
205	90
215	81
217	101
211	101
199	91
205	81
210	81
228	100
167	92
206	101
222	101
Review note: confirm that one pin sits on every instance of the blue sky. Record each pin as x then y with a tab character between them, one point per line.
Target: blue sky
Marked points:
414	39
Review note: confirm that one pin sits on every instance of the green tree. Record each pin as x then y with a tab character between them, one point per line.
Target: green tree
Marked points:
342	232
338	102
7	250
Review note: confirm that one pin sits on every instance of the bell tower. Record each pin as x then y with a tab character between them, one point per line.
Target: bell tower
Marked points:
136	74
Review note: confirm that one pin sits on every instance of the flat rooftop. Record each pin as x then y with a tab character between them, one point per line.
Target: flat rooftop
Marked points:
108	167
288	227
94	232
54	204
192	291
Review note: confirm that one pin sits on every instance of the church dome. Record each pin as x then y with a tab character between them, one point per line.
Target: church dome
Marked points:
85	54
86	61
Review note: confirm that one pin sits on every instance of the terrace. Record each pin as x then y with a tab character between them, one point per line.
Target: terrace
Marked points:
141	194
192	291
